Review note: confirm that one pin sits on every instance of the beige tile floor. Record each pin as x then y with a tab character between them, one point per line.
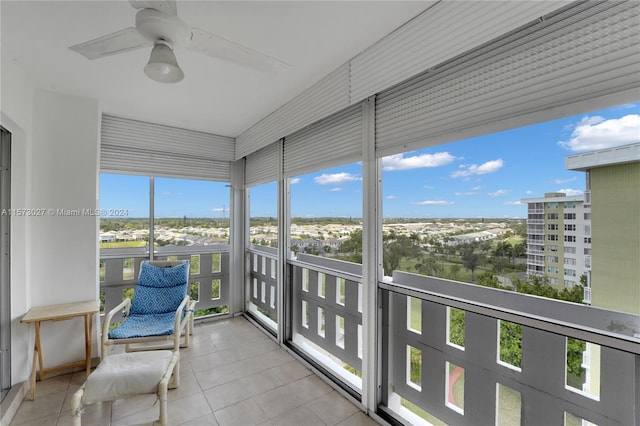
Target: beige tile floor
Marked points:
232	374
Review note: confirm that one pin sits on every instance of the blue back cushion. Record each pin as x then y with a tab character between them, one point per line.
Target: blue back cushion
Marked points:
160	290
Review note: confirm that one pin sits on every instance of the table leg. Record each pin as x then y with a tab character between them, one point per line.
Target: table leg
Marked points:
37	355
39	349
88	325
33	373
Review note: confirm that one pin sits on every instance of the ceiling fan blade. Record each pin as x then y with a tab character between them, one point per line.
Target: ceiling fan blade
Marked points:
168	7
118	42
212	45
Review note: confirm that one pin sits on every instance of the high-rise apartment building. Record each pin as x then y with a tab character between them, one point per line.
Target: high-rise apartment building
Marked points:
613	188
559	238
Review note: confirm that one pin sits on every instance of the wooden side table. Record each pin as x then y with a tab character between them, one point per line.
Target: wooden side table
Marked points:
61	312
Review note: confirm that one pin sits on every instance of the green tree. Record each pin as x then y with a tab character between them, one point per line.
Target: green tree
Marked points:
488	279
519	250
503	249
454	270
396	248
353	244
429	265
470	259
511	343
456	326
575	348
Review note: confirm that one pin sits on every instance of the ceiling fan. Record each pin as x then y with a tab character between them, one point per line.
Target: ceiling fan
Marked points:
158	25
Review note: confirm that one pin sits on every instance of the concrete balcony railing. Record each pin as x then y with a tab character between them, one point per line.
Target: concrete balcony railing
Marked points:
262	291
435	368
208	276
326	322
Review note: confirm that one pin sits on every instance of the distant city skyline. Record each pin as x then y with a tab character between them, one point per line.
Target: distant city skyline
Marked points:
485	176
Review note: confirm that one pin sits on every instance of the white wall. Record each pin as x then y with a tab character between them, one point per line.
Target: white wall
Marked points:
64	249
55	145
16	116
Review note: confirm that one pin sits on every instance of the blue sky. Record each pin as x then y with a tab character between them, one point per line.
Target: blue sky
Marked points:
486	176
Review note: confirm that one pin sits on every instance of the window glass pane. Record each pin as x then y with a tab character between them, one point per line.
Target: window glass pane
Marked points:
124	211
190	212
486	211
263	233
326	213
263	214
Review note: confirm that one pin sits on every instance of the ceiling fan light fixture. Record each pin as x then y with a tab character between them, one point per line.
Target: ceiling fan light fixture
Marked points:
162	66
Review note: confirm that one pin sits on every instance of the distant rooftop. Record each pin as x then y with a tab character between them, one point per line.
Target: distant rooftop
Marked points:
604	157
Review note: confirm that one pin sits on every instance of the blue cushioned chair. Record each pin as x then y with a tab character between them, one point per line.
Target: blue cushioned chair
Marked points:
160	309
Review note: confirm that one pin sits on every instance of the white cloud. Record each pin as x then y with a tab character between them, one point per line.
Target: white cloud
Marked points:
433	203
499	193
571	192
391	197
529	192
474	169
593	133
466	193
561	181
293	181
219	209
476	188
336	178
513	203
337	189
400	162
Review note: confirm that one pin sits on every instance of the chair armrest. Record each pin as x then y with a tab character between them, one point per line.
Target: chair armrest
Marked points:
106	323
177	329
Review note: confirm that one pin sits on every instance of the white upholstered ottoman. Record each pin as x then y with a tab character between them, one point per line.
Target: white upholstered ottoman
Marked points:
127	374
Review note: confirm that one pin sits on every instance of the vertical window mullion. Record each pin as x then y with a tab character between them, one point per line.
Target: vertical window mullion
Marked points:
151	217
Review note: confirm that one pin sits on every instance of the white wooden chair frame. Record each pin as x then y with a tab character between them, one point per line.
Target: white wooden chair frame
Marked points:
183	324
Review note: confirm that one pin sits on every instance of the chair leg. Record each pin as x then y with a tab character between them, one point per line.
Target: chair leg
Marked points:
162	421
76	407
175	378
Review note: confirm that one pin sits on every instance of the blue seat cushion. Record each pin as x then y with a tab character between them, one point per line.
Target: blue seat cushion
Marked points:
160	290
154	300
144	325
157	276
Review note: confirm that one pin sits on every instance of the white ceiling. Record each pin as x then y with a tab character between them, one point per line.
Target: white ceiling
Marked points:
215	96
